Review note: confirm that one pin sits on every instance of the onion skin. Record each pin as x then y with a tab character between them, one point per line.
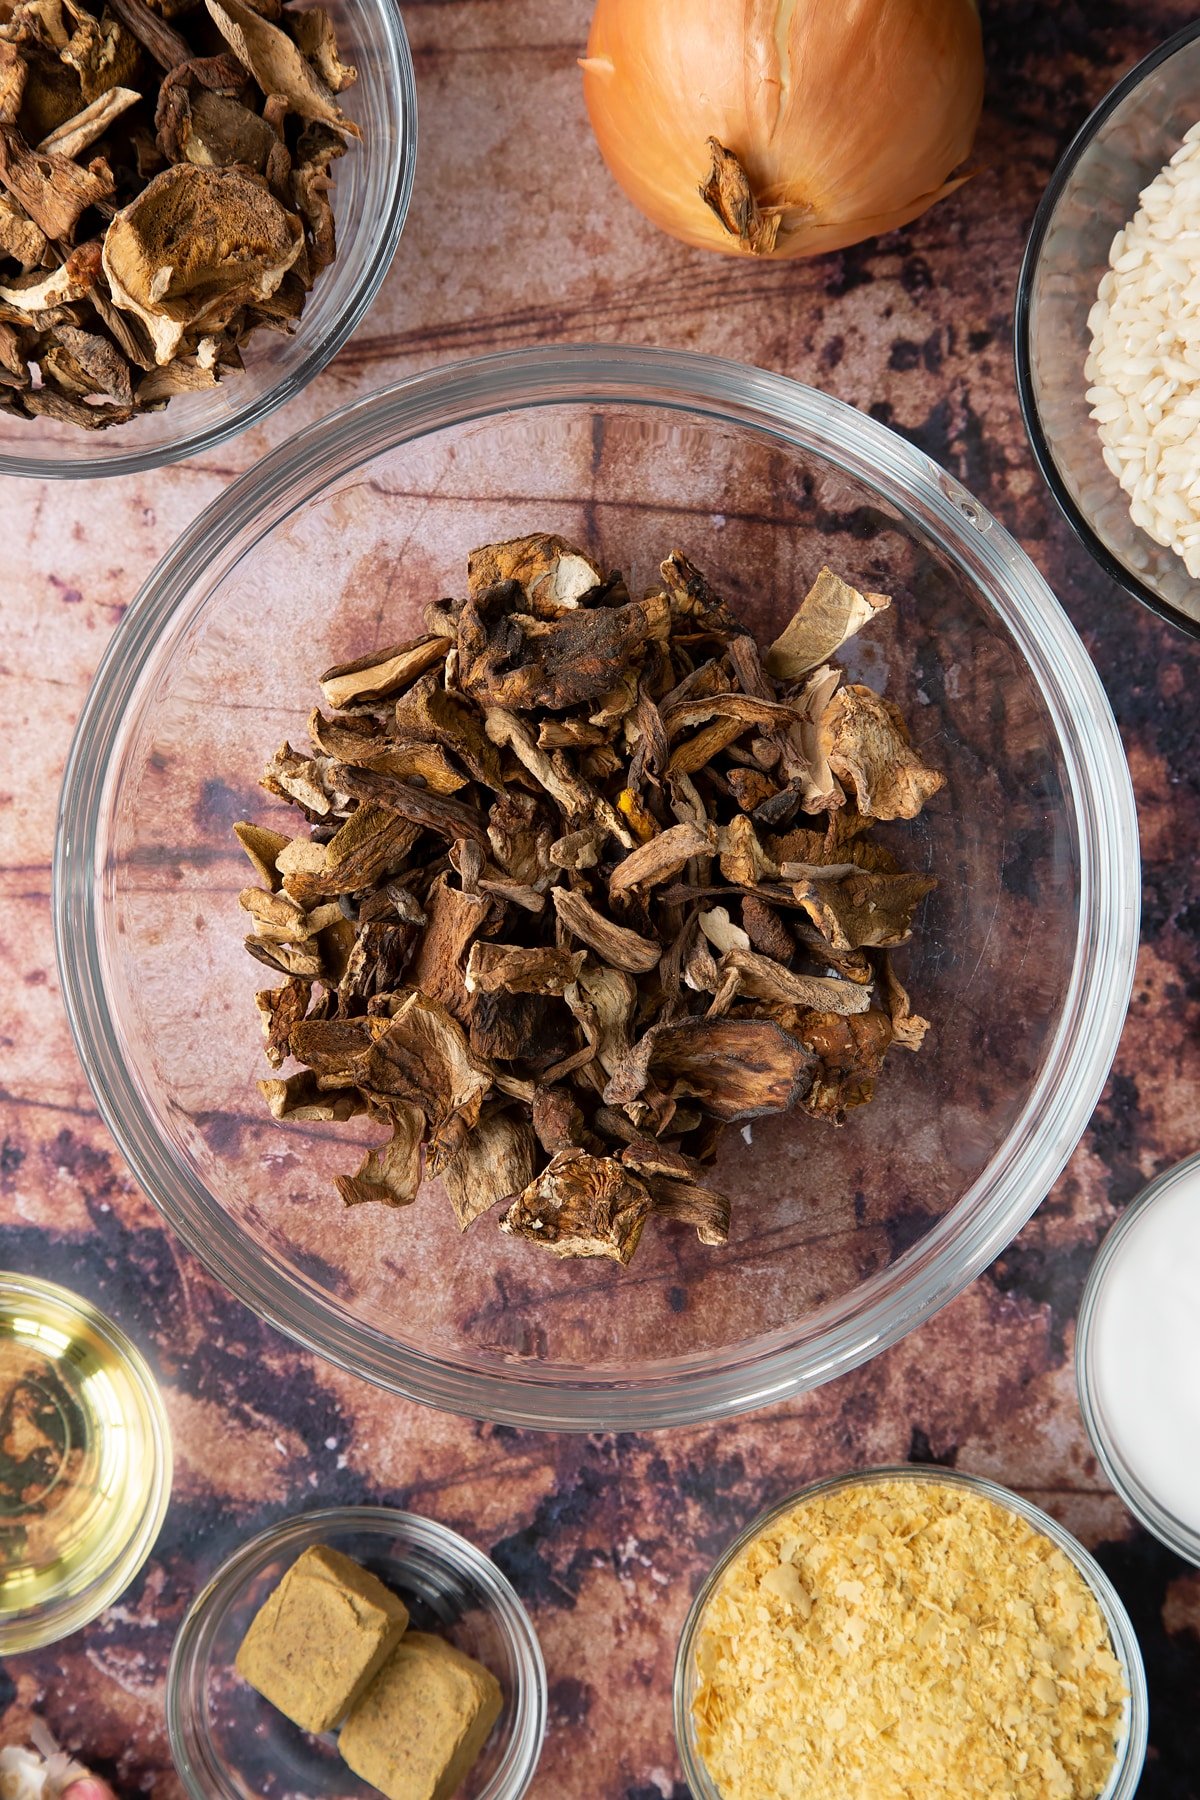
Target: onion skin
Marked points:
849	117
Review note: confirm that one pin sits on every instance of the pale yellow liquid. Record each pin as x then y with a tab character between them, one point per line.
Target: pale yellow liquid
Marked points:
77	1456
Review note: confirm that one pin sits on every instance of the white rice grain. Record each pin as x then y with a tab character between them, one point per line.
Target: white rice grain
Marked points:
1143	369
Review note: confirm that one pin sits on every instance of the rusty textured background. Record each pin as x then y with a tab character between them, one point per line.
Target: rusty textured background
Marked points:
516	236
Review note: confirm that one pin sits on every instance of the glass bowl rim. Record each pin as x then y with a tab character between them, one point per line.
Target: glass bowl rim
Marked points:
386	232
60	1615
1173	1532
1083	1043
193	1641
1127	1770
1023	349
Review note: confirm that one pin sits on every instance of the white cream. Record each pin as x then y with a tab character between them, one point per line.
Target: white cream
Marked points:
1144	1354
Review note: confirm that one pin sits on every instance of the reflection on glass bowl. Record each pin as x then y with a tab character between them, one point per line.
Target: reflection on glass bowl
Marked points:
842	1240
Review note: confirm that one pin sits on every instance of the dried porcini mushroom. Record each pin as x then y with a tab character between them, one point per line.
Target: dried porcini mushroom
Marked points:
196	246
548	928
165	175
582	1205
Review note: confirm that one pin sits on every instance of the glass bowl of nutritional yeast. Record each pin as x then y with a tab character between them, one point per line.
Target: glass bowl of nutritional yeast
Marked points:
842	1238
1117	152
230	1744
85	1462
863	1556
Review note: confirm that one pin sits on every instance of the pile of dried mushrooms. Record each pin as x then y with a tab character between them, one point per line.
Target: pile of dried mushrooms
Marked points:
164	193
586	881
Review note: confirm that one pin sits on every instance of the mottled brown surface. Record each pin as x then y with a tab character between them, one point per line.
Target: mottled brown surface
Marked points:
606	1537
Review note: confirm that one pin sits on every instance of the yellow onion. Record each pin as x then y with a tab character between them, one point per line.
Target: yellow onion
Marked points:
784	127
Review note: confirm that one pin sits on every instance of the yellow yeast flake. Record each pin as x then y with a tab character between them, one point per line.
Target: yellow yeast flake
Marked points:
901	1637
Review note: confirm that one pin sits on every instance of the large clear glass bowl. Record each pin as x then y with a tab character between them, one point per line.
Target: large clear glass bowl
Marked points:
372	188
1094	192
842	1240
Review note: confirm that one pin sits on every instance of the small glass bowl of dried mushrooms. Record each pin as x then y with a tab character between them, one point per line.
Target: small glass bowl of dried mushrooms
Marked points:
909	1629
821	1230
198	203
237	1644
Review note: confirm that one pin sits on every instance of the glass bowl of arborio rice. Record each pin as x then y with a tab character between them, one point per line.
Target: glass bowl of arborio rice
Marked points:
1108	332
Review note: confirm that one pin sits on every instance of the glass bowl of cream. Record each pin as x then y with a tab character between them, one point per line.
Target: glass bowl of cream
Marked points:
1137	1350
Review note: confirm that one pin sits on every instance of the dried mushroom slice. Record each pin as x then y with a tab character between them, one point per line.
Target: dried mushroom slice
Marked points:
496	1162
557	1119
54	191
512	969
613	944
310	185
34	294
386	672
389	1175
277	64
908	1028
212	130
91	364
866	741
860	908
166	46
91	122
552	574
20	238
582	1205
805	761
317	43
420	1054
737	1068
849	1053
194	246
14	73
511	659
692	1203
104	54
762	979
831	612
282	1008
419	805
604	1001
301	1100
661	857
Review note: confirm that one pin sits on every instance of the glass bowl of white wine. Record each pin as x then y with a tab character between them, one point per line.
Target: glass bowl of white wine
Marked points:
85	1462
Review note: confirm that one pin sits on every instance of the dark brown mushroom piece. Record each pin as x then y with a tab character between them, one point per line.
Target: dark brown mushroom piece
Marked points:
512	659
737	1068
